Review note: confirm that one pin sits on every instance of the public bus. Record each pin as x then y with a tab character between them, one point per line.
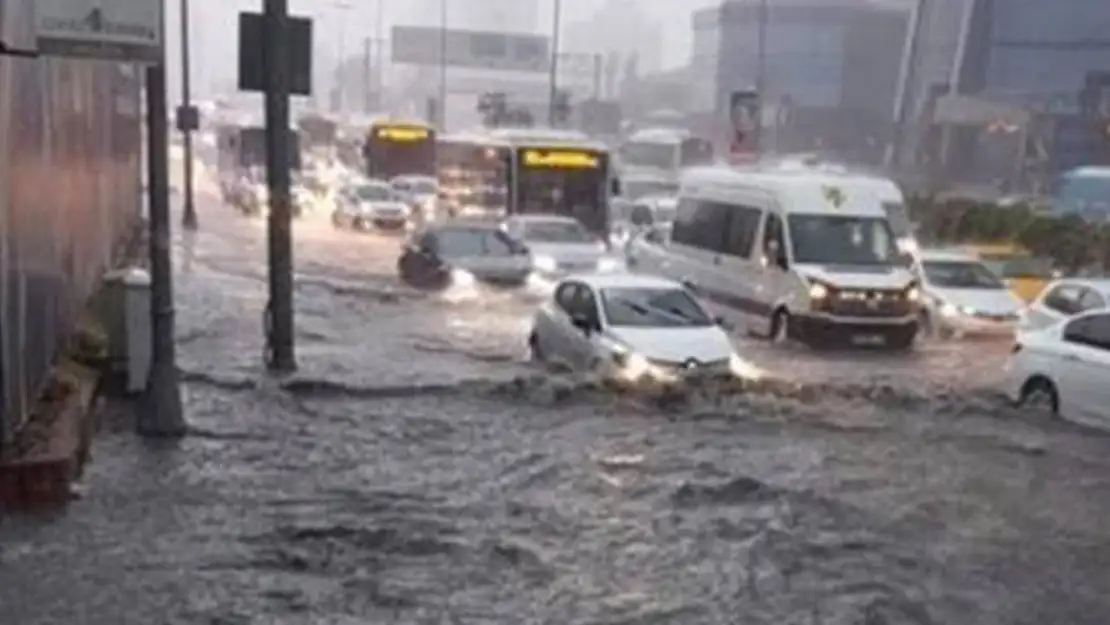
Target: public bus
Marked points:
559	172
471	172
399	148
664	149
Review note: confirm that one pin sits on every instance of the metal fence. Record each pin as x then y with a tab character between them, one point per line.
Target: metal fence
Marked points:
69	193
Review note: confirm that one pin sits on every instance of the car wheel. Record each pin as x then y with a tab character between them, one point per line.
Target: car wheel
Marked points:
1040	392
780	326
534	350
903	339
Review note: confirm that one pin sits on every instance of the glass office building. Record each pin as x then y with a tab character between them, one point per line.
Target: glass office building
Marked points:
831	68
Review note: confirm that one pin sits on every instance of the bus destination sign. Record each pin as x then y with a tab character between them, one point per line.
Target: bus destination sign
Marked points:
403	133
561	159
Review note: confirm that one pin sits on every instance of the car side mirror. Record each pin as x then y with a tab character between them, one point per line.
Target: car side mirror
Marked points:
583	322
905	258
719	320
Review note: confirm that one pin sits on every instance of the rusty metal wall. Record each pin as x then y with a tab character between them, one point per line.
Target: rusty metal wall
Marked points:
69	193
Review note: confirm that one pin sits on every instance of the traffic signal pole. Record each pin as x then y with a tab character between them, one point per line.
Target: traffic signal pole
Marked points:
553	79
280	356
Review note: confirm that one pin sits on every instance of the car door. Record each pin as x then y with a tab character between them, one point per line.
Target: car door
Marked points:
1058	303
1091	300
1085	370
561	339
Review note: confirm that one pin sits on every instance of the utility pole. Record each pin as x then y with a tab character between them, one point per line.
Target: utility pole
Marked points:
379	56
907	86
189	217
442	108
761	73
553	79
367	87
598	61
161	413
279	312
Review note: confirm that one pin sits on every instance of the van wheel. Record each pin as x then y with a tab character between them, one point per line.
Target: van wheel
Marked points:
780	326
925	329
1039	392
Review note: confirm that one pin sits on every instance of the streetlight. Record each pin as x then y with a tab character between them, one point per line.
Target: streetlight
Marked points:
187	121
341	7
556	22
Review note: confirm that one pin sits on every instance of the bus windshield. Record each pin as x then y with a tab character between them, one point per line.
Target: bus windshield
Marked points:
572	183
395	150
656	155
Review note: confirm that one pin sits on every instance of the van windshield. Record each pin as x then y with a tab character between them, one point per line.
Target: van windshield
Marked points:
842	240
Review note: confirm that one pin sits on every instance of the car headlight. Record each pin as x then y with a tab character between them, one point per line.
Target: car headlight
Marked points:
948	310
913	294
818	291
545	263
609	264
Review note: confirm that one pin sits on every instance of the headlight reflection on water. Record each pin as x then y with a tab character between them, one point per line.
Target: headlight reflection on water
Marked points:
462	287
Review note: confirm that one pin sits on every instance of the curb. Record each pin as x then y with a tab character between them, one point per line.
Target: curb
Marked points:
42	475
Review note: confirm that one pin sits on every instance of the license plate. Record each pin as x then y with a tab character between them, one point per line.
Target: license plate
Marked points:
868	339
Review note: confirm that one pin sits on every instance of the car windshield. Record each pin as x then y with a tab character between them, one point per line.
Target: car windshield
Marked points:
961	275
374	193
842	240
1013	267
652	308
556	232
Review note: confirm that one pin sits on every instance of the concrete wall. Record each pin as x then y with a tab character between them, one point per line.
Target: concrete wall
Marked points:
69	191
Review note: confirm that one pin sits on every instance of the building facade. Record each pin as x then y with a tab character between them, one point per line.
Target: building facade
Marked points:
629	32
829	71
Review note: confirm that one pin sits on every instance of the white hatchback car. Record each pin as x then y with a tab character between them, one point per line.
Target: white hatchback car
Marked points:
1068	366
1066	298
632	328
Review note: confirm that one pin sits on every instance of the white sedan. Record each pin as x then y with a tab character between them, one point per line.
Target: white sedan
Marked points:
561	245
963	298
1065	298
633	329
1067	366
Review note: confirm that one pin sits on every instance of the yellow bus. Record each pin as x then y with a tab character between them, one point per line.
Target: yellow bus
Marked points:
399	148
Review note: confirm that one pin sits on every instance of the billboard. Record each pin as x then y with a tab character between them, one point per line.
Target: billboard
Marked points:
122	30
418	45
744	124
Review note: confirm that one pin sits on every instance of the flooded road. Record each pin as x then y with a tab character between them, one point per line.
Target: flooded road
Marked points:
419	470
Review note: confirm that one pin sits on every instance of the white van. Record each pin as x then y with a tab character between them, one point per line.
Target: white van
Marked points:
802	255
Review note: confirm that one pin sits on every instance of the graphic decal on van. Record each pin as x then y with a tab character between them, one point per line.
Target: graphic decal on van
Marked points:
834	196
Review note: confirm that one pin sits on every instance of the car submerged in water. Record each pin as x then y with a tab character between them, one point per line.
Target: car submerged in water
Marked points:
447	253
371	205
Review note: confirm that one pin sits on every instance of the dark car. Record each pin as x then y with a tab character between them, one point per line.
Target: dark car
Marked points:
440	254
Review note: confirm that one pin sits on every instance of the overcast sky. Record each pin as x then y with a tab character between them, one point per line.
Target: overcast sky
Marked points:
214	27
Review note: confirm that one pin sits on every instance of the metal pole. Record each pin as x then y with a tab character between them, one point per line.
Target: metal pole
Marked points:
904	97
597	76
160	413
280	356
761	73
367	87
341	83
553	79
442	108
379	55
189	217
941	168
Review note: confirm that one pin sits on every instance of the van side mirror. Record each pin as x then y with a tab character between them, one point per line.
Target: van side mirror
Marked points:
906	259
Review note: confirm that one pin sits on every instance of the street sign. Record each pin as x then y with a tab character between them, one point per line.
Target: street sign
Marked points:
123	30
417	45
297	46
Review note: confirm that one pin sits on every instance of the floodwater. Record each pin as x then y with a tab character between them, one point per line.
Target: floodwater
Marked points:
419	470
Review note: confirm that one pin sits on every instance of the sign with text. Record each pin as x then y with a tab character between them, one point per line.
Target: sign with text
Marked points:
297	48
418	45
402	134
561	159
122	30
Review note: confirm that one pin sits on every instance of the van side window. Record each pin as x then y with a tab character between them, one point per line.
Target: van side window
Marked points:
682	230
742	230
703	225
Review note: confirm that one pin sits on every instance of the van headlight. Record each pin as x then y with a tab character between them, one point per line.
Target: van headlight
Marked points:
913	293
545	263
818	291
